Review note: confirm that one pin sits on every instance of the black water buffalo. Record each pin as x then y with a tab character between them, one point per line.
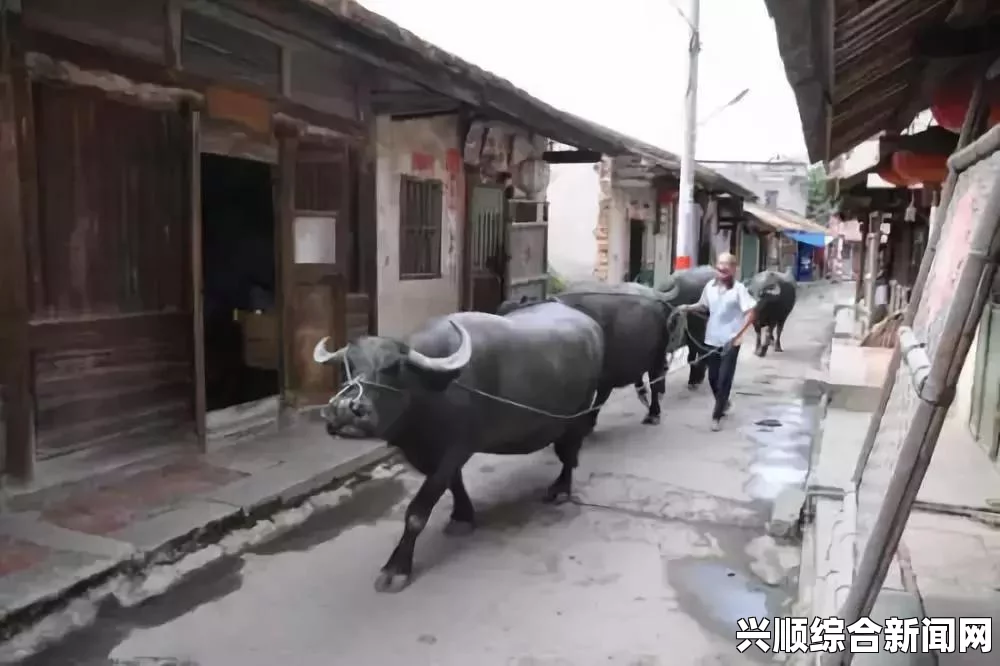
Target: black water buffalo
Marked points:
639	332
775	294
684	288
470	383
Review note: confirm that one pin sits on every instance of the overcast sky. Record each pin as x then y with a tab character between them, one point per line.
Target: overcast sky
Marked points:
622	64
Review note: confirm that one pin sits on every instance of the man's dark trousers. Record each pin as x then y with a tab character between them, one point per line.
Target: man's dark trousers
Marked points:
721	369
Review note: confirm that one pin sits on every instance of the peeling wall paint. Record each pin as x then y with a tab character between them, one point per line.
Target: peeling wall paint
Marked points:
425	148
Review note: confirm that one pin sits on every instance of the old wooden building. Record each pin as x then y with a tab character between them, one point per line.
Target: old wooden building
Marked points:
194	192
187	205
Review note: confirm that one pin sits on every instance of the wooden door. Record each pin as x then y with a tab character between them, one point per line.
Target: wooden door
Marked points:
486	250
315	203
527	249
111	309
750	254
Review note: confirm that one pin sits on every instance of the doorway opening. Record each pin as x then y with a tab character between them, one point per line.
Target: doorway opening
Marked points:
636	250
241	322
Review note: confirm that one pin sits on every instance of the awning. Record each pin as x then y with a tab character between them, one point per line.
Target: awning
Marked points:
816	240
769	217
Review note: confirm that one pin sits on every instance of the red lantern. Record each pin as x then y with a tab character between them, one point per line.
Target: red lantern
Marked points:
889	175
916	168
950	101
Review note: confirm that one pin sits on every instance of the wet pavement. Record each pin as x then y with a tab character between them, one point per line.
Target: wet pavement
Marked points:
656	560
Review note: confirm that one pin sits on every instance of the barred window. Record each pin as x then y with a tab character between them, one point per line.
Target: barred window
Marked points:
420	211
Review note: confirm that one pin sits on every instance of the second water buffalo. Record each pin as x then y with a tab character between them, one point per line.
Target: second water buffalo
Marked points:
775	294
640	328
684	287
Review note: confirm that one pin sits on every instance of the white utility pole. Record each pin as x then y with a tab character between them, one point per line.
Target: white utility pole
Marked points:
687	227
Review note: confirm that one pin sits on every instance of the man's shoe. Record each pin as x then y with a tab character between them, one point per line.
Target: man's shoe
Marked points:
716	425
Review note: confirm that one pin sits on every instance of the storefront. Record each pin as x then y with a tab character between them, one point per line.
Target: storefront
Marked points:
189	228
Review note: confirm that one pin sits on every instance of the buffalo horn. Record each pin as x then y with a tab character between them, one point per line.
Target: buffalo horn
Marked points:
670	291
321	355
456	361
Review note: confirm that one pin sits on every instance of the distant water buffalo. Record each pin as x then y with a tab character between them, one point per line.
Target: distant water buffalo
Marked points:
470	383
775	294
684	287
639	332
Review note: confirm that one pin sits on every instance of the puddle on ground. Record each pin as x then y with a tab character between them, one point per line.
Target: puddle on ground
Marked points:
716	594
782	436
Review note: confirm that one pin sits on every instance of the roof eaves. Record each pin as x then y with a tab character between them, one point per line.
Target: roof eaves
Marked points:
501	96
770	218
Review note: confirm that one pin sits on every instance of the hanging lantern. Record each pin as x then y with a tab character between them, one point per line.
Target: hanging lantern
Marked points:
949	103
889	175
532	177
917	168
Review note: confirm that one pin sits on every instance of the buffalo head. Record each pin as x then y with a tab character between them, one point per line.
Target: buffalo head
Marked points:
383	378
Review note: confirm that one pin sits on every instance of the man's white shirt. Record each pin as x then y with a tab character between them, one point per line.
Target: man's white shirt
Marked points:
727	309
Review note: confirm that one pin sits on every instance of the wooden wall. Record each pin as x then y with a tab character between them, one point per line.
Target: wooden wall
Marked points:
109	270
107	309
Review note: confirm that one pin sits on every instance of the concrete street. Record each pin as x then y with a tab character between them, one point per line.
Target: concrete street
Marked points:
661	554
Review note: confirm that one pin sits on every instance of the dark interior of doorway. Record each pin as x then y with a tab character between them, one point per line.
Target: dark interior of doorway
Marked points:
636	249
238	260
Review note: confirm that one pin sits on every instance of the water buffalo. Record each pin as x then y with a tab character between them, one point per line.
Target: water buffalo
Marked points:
470	383
684	288
775	294
639	331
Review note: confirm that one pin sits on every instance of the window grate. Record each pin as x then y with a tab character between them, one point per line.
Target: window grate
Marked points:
420	213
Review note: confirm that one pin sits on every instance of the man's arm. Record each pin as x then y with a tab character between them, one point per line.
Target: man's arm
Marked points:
701	306
748	304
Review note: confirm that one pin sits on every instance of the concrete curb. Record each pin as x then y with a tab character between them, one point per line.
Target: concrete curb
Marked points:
197	531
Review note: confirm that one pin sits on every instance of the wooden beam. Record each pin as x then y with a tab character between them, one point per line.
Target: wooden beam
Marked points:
18	458
571	156
41	66
395	103
317	26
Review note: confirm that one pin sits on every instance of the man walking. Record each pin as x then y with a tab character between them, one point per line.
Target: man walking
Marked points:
730	310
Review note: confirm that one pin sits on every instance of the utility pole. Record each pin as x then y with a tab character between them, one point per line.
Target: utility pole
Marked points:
687	227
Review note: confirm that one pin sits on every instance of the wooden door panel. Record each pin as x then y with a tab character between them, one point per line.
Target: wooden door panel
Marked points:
486	247
315	206
112	300
527	250
316	308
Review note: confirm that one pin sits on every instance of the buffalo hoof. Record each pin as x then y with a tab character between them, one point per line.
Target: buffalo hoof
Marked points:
651	419
392	581
459	528
557	496
779	348
330	430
